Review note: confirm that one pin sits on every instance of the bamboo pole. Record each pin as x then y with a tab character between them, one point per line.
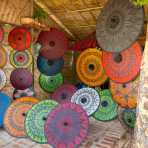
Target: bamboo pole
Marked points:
33	23
86	9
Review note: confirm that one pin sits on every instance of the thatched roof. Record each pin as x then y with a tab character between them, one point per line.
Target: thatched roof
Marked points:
11	11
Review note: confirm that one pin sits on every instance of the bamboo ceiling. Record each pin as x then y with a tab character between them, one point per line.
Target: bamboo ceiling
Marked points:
77	16
11	11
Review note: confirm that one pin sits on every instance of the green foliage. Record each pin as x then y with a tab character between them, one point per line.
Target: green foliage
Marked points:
140	2
39	13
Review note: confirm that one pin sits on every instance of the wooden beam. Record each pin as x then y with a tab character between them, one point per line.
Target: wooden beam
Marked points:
33	23
86	9
54	18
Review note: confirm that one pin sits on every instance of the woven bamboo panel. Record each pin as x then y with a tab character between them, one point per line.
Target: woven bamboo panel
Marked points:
40	94
12	10
69	75
79	16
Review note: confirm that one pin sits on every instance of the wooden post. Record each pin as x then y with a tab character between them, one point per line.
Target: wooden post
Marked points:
141	130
